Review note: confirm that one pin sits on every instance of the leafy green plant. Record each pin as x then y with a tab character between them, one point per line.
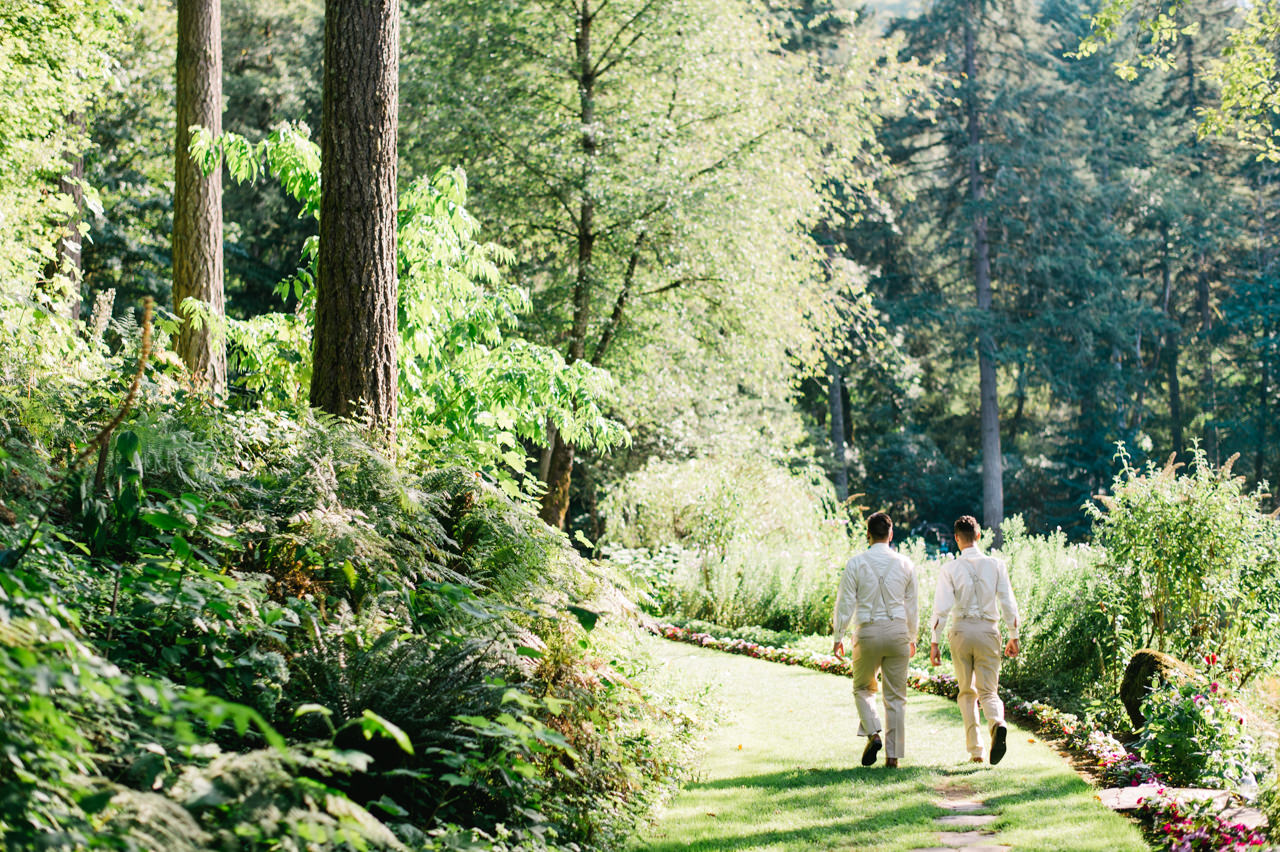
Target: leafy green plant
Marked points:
1195	736
469	392
1068	652
1191	564
758	544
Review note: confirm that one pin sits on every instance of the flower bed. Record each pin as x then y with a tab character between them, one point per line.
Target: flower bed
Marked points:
1195	826
1177	827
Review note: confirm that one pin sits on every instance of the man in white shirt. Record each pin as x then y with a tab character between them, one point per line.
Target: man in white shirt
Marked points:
971	586
877	597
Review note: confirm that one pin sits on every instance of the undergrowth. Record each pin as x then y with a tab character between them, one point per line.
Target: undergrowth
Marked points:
247	628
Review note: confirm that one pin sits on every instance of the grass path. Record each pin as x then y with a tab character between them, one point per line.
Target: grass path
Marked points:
781	772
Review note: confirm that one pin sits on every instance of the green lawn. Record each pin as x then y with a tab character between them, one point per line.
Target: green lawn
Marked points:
781	773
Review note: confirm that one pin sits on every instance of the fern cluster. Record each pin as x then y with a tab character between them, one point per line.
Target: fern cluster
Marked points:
246	626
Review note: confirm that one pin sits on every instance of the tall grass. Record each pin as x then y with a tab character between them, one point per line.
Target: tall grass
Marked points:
741	542
734	540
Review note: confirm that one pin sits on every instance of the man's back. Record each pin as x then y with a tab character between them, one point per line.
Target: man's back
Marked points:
878	584
972	586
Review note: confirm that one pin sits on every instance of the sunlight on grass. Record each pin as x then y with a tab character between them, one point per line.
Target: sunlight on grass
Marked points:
781	773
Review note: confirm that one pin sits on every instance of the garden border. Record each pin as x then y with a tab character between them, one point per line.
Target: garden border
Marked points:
1181	826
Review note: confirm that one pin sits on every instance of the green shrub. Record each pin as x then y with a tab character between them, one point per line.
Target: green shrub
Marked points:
1067	653
278	558
1196	737
759	635
1192	566
758	544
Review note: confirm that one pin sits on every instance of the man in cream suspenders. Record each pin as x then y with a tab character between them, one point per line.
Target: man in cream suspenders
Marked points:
877	597
970	587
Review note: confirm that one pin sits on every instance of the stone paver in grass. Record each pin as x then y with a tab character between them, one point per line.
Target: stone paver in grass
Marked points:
973	841
1224	801
966	820
781	773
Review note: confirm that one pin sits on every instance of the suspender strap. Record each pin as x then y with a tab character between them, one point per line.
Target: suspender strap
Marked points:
880	594
974	607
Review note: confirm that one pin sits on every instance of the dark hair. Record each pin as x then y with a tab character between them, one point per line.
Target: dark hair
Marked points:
966	527
879	526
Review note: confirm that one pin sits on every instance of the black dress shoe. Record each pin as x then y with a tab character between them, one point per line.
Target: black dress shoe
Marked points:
873	748
998	737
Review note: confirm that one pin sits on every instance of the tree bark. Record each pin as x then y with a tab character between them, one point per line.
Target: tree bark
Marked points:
559	467
1208	381
555	502
197	197
1259	458
835	402
1171	349
992	463
355	370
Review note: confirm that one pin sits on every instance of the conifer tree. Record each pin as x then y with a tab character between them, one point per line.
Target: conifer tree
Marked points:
197	195
354	365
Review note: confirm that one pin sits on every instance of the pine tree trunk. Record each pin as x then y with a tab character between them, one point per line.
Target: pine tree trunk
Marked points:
992	463
1171	348
555	502
1263	389
1208	381
197	197
559	467
835	402
355	370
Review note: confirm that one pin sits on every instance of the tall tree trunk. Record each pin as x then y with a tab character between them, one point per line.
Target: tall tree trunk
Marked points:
992	464
1208	381
835	402
559	466
355	371
1171	348
1208	387
1259	458
197	197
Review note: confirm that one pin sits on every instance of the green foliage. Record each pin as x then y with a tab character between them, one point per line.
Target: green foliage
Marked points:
670	241
1068	655
236	573
1191	564
1195	736
470	393
55	60
761	545
758	635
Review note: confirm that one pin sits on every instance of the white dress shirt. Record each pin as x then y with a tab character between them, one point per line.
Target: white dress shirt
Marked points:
878	584
971	585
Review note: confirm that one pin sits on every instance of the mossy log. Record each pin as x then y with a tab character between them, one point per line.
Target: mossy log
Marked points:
1148	670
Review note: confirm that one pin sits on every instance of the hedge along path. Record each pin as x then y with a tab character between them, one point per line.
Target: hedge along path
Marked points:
781	772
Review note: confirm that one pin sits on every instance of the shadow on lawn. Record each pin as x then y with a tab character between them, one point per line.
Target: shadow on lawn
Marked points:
793	779
832	808
861	808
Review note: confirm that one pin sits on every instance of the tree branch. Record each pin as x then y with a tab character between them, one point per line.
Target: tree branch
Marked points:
601	66
620	304
679	282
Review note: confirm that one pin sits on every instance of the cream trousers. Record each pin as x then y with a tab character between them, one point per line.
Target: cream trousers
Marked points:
882	645
975	650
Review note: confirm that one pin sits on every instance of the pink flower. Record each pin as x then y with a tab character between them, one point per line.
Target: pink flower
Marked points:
1213	687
